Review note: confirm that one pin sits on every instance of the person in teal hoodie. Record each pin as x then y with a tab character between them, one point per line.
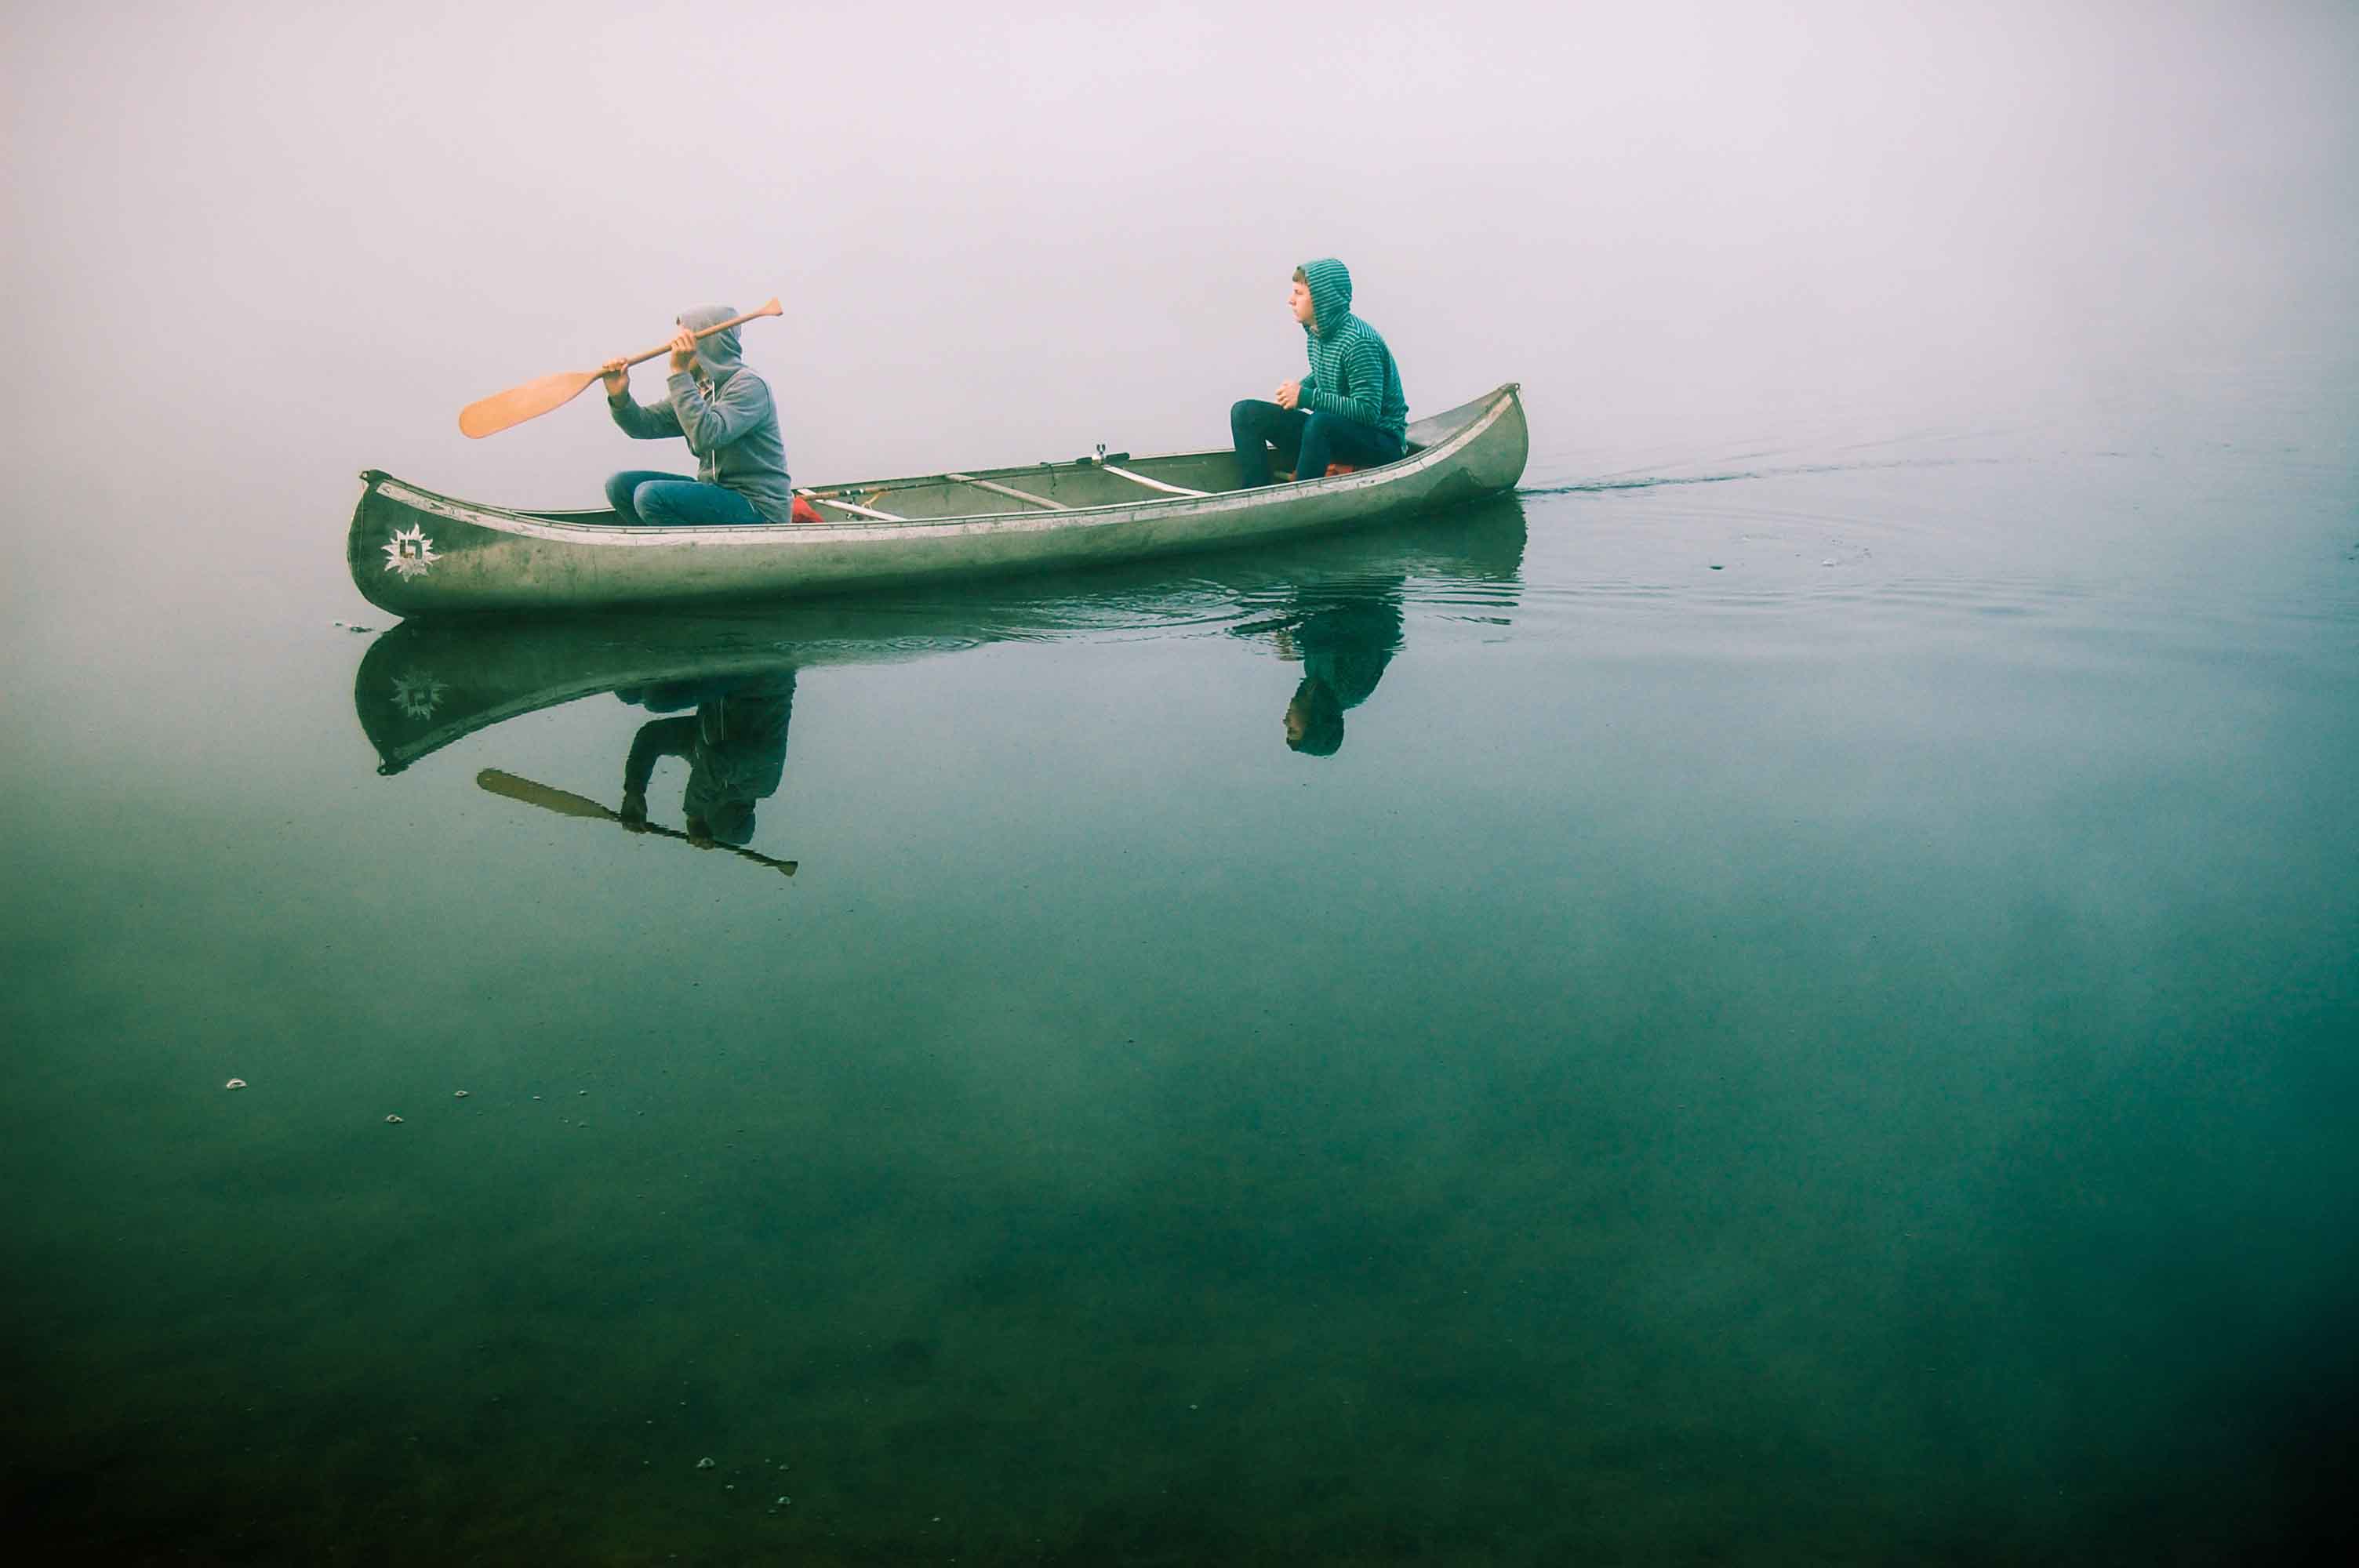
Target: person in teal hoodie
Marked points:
1350	409
726	414
1343	638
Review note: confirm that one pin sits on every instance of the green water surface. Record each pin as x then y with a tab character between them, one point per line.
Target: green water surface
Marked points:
1808	1018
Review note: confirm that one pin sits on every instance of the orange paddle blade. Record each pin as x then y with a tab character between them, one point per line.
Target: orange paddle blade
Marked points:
518	403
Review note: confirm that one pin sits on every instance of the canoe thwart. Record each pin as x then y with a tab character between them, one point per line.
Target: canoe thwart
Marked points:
1151	483
1009	491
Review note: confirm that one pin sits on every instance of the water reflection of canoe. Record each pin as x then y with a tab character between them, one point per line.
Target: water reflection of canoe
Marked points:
415	552
425	684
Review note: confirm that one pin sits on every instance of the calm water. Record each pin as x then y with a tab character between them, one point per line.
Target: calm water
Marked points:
1808	1018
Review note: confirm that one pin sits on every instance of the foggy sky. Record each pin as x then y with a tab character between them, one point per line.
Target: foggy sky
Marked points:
267	245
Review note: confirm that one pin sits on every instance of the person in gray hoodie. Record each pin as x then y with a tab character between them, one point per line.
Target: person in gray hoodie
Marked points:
725	413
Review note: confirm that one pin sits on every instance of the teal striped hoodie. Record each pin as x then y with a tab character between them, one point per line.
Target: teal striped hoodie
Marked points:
1351	371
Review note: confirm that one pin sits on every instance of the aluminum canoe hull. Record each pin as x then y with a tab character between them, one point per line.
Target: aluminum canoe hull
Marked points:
415	552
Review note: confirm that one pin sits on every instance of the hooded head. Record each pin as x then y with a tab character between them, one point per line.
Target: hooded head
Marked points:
718	353
1329	282
731	822
1314	719
714	807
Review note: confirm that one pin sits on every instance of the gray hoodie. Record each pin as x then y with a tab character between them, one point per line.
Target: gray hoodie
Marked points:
725	413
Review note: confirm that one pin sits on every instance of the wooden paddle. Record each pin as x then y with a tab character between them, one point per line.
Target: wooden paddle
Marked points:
534	398
567	804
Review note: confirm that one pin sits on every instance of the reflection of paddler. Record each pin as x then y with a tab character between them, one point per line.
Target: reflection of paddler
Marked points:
735	743
1344	647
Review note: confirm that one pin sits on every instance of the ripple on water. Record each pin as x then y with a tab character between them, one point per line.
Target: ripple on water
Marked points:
2016	533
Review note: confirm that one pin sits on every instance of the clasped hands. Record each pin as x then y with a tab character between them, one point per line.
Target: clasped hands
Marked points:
617	372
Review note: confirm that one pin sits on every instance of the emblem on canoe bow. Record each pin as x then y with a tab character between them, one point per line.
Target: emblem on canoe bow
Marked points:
418	694
410	552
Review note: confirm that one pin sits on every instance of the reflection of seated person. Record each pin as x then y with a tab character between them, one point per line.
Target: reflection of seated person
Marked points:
1344	647
736	744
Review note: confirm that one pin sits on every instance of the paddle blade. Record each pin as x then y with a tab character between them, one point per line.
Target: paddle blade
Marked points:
539	795
518	403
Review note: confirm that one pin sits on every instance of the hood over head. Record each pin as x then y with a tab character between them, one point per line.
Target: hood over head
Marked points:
1331	291
728	818
718	353
731	822
1322	712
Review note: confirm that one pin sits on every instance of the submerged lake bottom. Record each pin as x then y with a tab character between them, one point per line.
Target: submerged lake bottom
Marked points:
1803	1014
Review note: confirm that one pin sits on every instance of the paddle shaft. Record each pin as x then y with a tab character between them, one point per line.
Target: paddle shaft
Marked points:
772	309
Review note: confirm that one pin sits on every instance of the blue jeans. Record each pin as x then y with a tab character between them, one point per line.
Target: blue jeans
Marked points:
643	495
1306	442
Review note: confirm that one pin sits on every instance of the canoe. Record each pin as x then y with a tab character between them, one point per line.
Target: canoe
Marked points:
427	683
415	553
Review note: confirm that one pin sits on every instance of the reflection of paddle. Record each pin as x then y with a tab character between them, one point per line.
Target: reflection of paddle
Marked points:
534	398
567	804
